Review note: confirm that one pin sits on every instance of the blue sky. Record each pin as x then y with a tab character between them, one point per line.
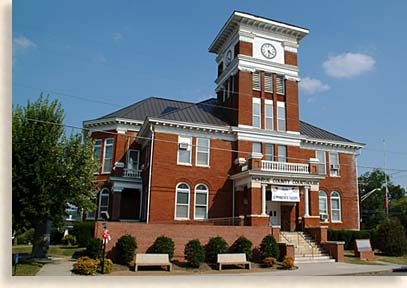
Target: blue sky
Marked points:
98	56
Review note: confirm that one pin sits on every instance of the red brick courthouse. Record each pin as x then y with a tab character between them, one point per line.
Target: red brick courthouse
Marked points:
241	164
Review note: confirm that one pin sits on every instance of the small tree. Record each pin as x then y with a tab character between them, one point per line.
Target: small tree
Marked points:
194	253
215	246
164	245
242	245
126	246
269	247
392	238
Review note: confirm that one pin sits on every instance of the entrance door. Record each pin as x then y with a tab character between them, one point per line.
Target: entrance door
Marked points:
274	211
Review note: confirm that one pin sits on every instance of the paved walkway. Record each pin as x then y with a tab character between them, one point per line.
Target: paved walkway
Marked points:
63	266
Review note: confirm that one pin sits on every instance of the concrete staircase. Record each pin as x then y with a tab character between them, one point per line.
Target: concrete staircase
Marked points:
306	250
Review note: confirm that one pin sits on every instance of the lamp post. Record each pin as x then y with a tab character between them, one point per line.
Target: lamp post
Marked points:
106	237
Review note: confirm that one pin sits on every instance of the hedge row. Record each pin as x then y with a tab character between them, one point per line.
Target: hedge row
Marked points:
349	236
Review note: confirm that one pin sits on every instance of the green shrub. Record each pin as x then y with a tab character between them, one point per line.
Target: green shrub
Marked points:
242	245
348	236
194	253
392	238
26	237
269	247
94	248
85	266
269	261
83	231
108	265
215	246
68	240
126	247
164	245
288	262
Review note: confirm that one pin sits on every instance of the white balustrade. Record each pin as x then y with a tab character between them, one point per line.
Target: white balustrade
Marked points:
275	166
131	173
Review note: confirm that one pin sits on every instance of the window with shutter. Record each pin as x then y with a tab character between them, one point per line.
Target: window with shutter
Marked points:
256	82
280	88
268	82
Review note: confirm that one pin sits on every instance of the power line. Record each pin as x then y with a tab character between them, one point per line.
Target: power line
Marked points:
192	145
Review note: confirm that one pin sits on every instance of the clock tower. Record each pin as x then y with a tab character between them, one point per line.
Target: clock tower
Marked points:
257	80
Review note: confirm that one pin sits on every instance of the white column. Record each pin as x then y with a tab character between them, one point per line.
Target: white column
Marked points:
306	212
263	199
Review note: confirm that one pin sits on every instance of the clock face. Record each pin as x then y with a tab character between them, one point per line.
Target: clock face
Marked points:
268	51
229	57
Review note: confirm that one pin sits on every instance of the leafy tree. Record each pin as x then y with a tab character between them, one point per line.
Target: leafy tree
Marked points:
373	210
49	170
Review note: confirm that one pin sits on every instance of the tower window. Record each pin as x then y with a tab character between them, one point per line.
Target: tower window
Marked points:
268	82
256	81
280	87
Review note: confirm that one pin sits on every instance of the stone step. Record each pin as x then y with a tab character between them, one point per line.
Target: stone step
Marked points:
310	255
314	261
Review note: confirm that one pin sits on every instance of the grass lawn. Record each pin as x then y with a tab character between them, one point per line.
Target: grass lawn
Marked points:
351	259
27	269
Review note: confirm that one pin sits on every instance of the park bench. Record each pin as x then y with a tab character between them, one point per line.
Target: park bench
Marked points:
232	259
152	260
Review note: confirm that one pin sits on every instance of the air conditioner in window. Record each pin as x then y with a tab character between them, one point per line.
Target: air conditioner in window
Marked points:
183	146
335	166
323	217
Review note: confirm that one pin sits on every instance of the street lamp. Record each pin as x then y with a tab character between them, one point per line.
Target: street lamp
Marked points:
106	237
364	197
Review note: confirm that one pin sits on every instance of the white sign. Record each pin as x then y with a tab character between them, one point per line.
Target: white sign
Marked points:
285	194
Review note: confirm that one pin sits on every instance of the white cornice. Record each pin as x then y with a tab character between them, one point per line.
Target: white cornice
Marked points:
110	121
266	136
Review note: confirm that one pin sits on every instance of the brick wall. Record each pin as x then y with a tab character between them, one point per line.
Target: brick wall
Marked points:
290	58
145	234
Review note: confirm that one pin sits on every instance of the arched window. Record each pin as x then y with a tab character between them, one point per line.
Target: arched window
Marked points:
103	201
323	206
201	201
335	207
182	201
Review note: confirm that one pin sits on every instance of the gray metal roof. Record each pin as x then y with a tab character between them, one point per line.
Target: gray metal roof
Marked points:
315	132
206	112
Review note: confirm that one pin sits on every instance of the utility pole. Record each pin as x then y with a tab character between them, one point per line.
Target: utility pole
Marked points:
385	179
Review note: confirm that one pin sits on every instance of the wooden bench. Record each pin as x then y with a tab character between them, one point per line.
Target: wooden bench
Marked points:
152	260
233	259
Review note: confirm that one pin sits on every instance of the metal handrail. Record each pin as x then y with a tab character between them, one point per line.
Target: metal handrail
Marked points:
309	243
288	240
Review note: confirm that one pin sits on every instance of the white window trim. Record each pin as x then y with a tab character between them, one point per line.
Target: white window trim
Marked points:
281	104
278	153
189	147
100	156
258	73
316	156
104	156
176	197
338	163
100	201
256	101
340	207
138	157
326	204
268	102
272	150
207	201
208	152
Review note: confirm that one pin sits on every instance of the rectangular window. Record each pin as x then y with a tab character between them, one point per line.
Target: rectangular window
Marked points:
320	155
268	82
269	155
256	81
281	118
182	204
133	159
282	153
334	167
256	113
97	152
256	147
268	115
280	87
202	151
184	150
108	155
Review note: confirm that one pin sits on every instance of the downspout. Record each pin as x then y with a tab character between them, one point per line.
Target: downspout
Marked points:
149	174
233	201
357	188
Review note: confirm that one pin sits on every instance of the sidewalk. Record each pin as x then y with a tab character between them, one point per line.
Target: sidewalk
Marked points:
62	267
